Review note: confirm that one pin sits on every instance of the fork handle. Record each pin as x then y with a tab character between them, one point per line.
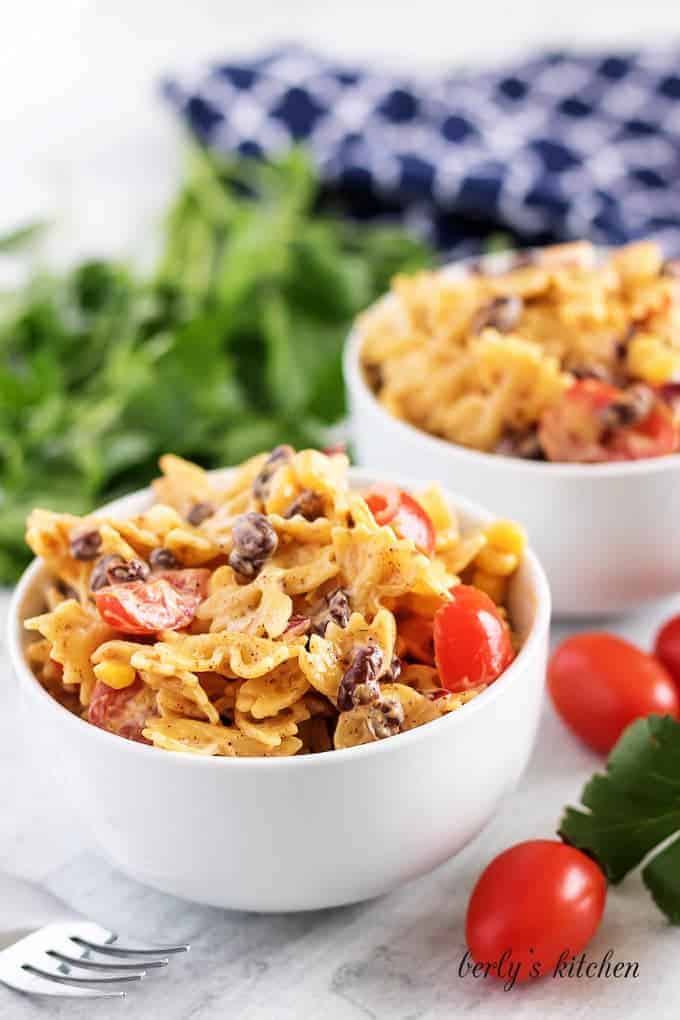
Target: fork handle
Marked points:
25	907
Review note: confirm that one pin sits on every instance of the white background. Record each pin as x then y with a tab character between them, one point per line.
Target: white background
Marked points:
87	142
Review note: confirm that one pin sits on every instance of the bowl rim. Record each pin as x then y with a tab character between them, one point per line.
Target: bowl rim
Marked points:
356	383
31	686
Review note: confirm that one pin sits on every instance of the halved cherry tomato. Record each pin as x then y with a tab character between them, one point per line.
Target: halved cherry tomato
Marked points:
572	430
600	683
667	648
656	436
166	602
124	711
189	581
391	505
471	640
534	902
415	639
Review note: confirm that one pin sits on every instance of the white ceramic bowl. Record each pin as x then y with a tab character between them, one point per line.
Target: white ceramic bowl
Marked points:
606	534
295	833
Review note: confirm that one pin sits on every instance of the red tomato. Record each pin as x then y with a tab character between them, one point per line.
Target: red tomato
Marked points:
471	640
416	639
600	683
656	436
123	712
533	903
188	581
571	430
166	602
393	506
667	647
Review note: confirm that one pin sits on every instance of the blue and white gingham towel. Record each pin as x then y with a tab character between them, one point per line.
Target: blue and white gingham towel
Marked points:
556	147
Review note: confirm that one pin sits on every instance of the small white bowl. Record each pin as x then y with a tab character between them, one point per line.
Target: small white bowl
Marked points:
303	833
606	534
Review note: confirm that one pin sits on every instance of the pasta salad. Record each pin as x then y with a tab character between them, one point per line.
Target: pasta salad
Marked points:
562	356
274	613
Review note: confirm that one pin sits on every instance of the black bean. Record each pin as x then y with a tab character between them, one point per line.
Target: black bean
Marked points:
278	457
362	674
100	575
621	346
521	444
308	504
199	513
338	607
386	718
632	407
670	394
298	626
86	545
374	377
130	570
254	541
66	590
163	559
671	268
394	672
591	372
503	314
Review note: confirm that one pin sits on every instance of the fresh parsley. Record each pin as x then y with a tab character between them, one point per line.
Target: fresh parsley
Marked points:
231	345
633	811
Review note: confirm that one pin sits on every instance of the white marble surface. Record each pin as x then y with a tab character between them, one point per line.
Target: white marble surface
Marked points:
391	959
87	143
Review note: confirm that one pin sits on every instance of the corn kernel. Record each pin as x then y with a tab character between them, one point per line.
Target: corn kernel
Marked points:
651	360
115	674
492	584
506	536
494	561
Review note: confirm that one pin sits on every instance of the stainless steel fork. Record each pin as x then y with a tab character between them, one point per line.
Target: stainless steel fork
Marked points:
48	949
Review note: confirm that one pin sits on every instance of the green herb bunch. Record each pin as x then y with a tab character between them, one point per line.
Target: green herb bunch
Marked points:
231	346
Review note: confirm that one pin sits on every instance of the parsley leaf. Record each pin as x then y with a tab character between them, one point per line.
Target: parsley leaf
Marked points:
230	345
633	808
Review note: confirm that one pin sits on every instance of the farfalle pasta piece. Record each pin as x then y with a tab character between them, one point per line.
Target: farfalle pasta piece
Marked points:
418	709
191	547
327	658
261	608
147	531
275	728
267	695
235	654
380	566
298	529
208	739
310	470
305	568
74	633
355	727
187	685
48	535
182	484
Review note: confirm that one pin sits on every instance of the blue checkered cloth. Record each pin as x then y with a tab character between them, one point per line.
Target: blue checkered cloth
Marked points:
559	146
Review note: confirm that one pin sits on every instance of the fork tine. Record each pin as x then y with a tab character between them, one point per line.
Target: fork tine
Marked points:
64	979
114	950
85	964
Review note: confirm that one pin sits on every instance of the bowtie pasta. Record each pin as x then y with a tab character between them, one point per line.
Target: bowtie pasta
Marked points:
277	613
564	356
